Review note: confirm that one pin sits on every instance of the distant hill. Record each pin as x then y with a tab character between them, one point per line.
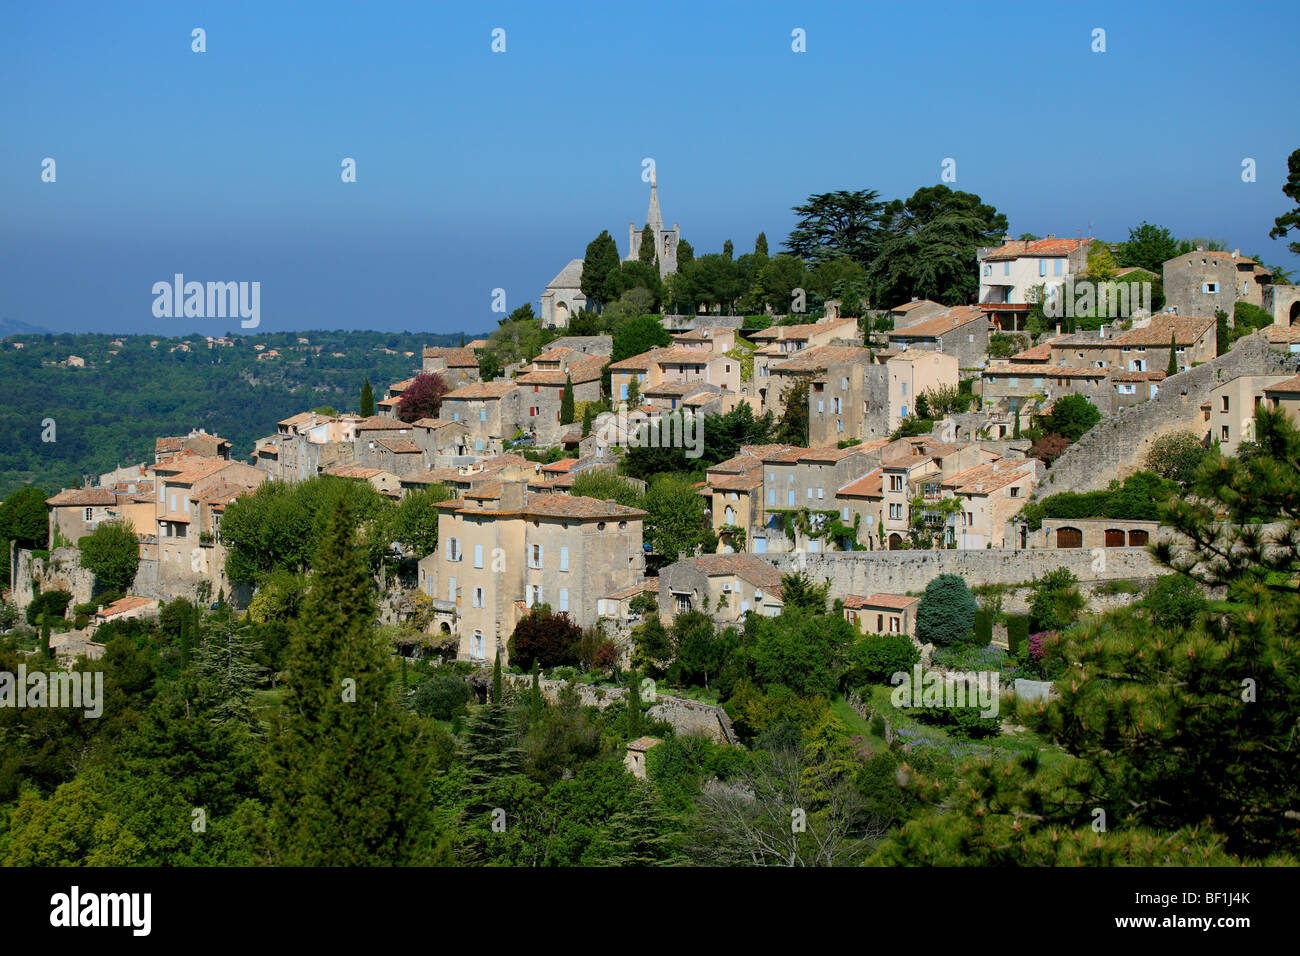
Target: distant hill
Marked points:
14	327
136	388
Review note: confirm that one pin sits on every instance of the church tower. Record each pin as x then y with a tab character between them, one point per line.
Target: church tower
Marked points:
665	239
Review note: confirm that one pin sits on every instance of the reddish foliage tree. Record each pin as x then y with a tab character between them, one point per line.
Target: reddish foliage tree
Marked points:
423	397
1049	448
549	639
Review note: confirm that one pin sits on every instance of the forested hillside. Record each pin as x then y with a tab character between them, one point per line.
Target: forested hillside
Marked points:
133	389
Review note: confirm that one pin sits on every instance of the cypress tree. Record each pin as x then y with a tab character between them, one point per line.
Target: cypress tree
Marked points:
728	250
367	399
646	251
1173	356
1220	332
633	728
760	245
496	678
566	402
348	772
588	417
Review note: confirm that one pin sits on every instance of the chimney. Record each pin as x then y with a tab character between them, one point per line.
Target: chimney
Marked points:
1051	235
610	506
1236	253
1200	248
512	496
916	298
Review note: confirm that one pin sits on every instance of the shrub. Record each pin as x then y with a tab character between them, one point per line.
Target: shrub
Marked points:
112	553
549	639
441	696
946	613
1056	602
876	657
1176	457
1174	602
51	603
1017	633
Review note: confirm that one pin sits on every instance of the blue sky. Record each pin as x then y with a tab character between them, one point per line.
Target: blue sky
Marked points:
478	170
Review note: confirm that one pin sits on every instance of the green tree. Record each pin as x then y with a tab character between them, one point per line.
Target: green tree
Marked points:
676	519
606	486
638	335
1148	247
946	612
601	260
227	672
760	246
1175	602
1288	221
799	649
588	418
1176	456
793	429
566	402
1071	417
367	399
646	251
1172	369
838	223
1056	601
347	770
1222	334
489	366
798	590
112	553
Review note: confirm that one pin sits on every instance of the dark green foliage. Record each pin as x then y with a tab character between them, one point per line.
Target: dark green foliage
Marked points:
1148	247
701	650
798	650
566	402
1071	417
676	520
1138	499
793	429
946	613
876	657
601	260
1056	601
50	605
441	695
799	591
1175	602
1290	220
367	399
638	335
1017	633
1172	368
112	553
1222	334
25	520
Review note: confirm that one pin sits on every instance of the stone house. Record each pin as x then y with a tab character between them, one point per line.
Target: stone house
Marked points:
1200	281
882	613
850	400
457	366
710	338
128	608
962	331
771	380
912	373
674	365
492	411
725	586
909	313
990	494
542	387
1285	396
502	551
76	512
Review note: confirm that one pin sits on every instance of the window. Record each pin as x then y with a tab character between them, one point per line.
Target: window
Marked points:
482	414
844	513
624	391
1224	435
880	622
905	390
771	496
1056	267
844	383
988	270
1015	492
478	555
451	589
683	603
810	494
564	599
1210	288
453	549
90	513
821	405
564	559
535	557
819	494
1225	403
1013	381
478	597
895	482
1006	268
455	417
1042	267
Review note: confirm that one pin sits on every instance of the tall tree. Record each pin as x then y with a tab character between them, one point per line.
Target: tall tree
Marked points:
367	399
566	402
1222	338
760	245
1148	247
728	249
646	251
793	429
601	259
1173	356
346	767
112	553
839	223
1288	221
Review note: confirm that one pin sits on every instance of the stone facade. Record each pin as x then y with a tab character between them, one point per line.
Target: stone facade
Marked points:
1198	282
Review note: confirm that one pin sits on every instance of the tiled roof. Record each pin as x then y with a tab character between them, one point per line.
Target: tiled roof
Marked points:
747	567
353	471
1026	370
1282	334
480	390
435	422
895	602
82	497
648	586
1185	330
569	506
400	446
778	332
1038	247
1219	254
986	478
452	357
818	358
868	486
1125	375
196	470
750	481
1290	386
129	603
909	306
954	318
564	464
379	423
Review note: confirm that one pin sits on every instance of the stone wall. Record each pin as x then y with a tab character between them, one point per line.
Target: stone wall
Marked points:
897	572
688	717
1117	446
62	570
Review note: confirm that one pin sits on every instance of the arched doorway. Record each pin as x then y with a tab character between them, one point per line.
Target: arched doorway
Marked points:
561	314
1294	314
1069	538
895	541
1114	537
1137	538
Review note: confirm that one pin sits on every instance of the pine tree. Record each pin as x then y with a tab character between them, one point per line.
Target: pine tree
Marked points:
347	770
642	836
566	402
491	752
227	672
633	393
367	399
1173	356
